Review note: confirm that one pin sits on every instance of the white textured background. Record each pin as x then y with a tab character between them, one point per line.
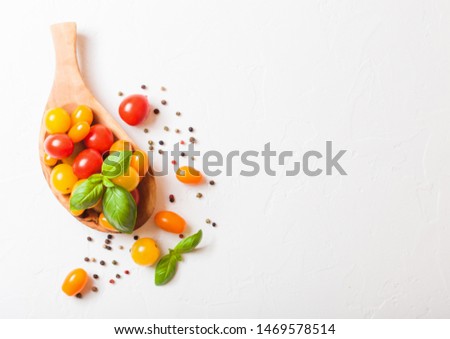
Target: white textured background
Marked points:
373	76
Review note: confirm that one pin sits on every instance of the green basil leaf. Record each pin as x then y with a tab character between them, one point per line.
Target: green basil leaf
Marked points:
188	244
86	195
96	178
165	270
120	209
117	163
107	182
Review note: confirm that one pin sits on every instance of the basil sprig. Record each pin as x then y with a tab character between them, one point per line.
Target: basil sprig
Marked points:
87	194
167	265
119	205
117	163
120	208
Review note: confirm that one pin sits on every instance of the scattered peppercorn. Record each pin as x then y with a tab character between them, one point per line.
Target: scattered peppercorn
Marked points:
110	236
150	142
102	262
95	276
114	262
107	241
214	224
127	272
118	276
94	289
193	158
93	260
183	154
120	93
86	259
136	237
109	248
151	148
120	247
166	128
145	130
178	114
161	142
79	295
89	239
164	102
192	139
156	111
177	130
160	151
111	281
182	142
191	129
143	87
173	162
212	183
208	221
171	198
163	88
199	195
181	236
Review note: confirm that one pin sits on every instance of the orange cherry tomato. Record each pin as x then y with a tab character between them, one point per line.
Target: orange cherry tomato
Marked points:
121	145
145	252
105	223
189	175
82	113
170	222
139	161
75	282
49	161
79	131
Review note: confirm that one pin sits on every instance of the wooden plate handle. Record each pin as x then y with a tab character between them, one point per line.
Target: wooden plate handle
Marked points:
67	72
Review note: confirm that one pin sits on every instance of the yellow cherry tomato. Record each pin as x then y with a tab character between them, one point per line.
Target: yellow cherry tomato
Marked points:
62	178
121	145
75	282
49	161
78	183
139	161
105	223
77	148
170	222
128	180
145	252
57	120
79	131
189	175
82	113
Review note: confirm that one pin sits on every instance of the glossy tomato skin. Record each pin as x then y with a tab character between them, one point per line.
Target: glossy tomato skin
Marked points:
88	162
135	195
170	222
145	252
75	282
189	175
99	138
134	109
58	146
63	179
79	131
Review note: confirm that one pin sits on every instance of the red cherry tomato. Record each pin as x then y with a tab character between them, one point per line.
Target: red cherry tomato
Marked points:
87	163
58	146
99	138
134	109
135	194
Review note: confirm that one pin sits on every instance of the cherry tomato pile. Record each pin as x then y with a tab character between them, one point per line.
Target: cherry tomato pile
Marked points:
75	148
